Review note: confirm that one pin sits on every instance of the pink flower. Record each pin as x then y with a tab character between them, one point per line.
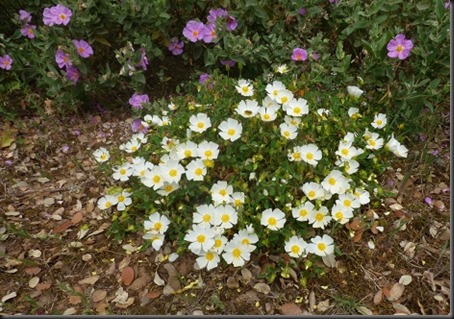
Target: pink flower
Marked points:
83	48
299	54
210	34
6	62
25	16
216	13
231	23
176	46
399	47
194	31
72	74
137	100
58	14
62	59
28	31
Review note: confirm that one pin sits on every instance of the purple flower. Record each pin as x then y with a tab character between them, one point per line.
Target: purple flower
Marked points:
28	31
216	13
447	4
83	48
399	47
315	56
62	59
25	16
334	1
302	11
231	23
137	100
194	31
8	162
210	34
65	149
6	62
139	126
176	46
229	63
58	14
299	54
428	201
203	78
435	152
72	74
143	59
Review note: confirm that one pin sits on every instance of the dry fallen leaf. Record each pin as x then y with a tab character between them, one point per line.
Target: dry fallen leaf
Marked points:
127	275
74	300
33	282
88	281
98	295
262	288
9	296
153	294
364	311
323	306
291	309
70	311
405	280
396	292
401	309
158	280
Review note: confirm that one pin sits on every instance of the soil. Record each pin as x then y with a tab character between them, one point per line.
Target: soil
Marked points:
57	255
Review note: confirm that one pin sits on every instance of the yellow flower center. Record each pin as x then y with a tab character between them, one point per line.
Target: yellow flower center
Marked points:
295	249
303	213
286	133
187	153
245	241
209	256
217	243
62	16
223	192
198	171
297	110
272	221
237	202
168	188
236	253
266	116
379	122
332	181
121	198
107	204
284	99
310	156
201	238
399	48
208	153
225	218
344	151
103	156
248	112
206	218
372	142
347	203
245	89
156	179
296	155
200	125
122	171
339	215
157	226
311	194
319	217
173	172
321	246
231	132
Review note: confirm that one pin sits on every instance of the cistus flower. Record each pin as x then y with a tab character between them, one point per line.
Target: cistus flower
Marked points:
194	31
210	34
245	88
101	155
25	16
228	63
62	59
230	129
399	47
203	78
139	126
295	246
83	48
138	100
58	14
72	74
214	14
231	23
28	31
176	46
299	54
273	219
6	62
354	91
302	11
321	246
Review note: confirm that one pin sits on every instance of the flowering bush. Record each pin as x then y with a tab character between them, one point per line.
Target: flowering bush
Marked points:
248	166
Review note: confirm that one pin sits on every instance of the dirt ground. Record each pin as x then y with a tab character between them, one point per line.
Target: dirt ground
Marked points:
57	256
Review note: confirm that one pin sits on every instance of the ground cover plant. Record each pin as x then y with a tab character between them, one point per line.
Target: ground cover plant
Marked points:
284	169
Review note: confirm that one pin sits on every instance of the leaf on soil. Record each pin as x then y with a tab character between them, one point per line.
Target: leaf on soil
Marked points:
409	249
101	229
77	218
364	311
378	297
125	304
355	223
262	288
43	286
127	275
34	253
74	300
63	226
98	295
396	207
329	260
88	281
70	311
401	309
405	280
121	296
246	274
9	296
158	280
153	294
32	270
312	301
396	292
33	282
291	309
232	282
323	306
172	280
430	278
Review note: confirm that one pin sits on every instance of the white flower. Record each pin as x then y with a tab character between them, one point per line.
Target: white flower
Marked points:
295	155
101	155
236	253
132	146
295	121
168	188
303	211
199	122
153	178
122	173
208	150
341	214
186	150
226	216
172	106
208	260
268	114
139	137
353	112
172	171
313	190
247	237
347	151
396	148
230	129
245	88
323	112
273	219
201	238
156	223
320	218
354	91
205	215
350	166
196	170
237	199
219	242
311	154
288	131
362	195
295	246
270	103
123	200
157	239
335	182
248	108
282	69
283	97
321	246
297	107
140	166
379	120
273	89
221	192
373	140
169	143
107	202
